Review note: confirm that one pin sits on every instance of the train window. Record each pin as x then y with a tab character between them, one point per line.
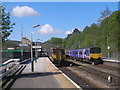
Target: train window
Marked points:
54	51
67	52
72	52
80	52
95	50
62	51
76	52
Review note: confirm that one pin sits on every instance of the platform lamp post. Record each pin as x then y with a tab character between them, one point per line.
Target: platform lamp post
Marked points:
108	46
108	51
32	61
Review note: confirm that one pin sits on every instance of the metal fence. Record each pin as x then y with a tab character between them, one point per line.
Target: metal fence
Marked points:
11	55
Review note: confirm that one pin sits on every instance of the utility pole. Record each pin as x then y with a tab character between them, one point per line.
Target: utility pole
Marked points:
36	51
79	44
94	43
0	43
22	41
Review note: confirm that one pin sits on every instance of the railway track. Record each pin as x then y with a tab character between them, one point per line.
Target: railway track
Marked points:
101	67
95	76
112	65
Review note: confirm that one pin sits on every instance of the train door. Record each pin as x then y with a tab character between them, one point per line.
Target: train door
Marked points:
58	54
86	54
63	56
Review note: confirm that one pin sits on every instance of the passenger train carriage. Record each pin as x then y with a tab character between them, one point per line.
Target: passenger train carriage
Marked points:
92	55
57	54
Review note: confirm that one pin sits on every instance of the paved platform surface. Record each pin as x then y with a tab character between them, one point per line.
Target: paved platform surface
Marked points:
112	60
45	75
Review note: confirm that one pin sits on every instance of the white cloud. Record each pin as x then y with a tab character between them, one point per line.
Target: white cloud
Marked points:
47	29
24	11
70	31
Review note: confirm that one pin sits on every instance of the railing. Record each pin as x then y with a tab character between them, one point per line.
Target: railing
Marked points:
8	67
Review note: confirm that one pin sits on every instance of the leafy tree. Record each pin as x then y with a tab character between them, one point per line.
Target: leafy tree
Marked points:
5	23
104	14
95	35
76	31
55	41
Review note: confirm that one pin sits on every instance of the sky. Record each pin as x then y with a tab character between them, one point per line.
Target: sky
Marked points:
56	19
59	0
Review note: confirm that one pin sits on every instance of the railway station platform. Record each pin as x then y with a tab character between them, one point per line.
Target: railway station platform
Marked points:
111	60
45	75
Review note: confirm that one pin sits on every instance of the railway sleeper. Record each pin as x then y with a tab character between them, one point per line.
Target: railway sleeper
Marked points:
102	76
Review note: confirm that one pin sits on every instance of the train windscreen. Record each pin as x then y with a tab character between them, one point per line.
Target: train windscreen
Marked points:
54	51
95	50
62	51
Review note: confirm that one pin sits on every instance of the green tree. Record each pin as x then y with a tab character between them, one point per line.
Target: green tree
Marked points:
55	41
5	23
104	14
102	35
76	31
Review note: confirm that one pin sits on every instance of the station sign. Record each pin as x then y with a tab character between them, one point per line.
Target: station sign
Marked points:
36	46
10	48
23	44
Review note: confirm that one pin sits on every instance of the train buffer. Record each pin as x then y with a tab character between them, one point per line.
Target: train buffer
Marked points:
45	75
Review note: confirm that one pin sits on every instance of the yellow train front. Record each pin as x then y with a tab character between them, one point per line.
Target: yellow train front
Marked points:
95	55
58	55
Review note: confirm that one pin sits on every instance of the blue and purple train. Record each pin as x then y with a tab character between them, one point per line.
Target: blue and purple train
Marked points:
92	55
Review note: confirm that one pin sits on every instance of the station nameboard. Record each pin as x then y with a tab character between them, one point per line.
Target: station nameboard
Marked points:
36	46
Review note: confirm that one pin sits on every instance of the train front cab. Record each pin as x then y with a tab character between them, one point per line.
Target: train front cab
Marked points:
95	55
58	55
54	53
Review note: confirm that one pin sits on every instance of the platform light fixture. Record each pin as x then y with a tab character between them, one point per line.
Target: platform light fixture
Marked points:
32	61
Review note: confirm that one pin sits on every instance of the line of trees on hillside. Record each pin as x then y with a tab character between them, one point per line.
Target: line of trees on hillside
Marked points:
103	34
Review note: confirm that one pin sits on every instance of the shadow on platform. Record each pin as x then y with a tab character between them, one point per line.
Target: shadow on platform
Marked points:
35	74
